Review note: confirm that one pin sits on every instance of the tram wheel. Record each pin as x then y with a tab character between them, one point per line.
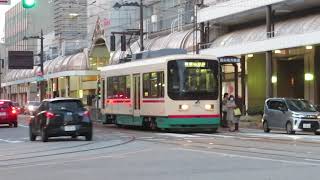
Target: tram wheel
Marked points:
153	125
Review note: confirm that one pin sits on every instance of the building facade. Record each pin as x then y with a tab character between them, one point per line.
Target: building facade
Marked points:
67	72
269	36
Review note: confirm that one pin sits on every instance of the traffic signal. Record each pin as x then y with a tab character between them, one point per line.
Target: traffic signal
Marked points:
28	3
99	89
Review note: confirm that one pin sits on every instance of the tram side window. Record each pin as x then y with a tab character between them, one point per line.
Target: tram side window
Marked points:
118	87
153	85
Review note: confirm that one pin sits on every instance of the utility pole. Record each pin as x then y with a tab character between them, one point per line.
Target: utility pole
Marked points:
42	89
41	74
141	26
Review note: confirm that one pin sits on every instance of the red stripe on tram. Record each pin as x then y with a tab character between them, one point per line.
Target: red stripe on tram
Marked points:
153	101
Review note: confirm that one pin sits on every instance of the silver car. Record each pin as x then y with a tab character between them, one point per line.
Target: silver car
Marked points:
291	115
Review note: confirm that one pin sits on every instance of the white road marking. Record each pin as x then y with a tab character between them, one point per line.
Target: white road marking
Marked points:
20	125
178	135
9	141
249	157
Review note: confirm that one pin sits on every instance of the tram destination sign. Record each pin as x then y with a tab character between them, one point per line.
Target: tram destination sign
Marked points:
229	60
5	2
20	59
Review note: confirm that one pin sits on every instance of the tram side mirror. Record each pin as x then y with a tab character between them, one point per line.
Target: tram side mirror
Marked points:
112	43
123	43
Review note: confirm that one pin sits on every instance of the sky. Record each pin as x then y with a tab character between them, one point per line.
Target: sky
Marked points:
3	9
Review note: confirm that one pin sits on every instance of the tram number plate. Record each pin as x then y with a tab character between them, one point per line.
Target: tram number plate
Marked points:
69	128
307	126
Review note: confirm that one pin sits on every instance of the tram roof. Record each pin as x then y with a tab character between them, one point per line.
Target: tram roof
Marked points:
154	61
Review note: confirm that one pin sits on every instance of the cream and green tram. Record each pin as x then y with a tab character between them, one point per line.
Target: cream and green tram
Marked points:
174	92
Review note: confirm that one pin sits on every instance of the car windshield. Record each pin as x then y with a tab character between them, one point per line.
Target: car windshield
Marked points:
300	106
69	105
193	79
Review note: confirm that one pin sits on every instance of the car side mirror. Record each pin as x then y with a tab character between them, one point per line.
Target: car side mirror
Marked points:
283	109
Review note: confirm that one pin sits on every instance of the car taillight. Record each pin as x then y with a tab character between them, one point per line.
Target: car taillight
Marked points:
13	110
86	113
50	115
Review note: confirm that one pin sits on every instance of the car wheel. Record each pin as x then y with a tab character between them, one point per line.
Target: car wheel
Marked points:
31	135
317	133
89	136
266	126
44	135
289	128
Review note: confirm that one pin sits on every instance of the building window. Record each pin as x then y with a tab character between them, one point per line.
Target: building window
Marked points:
118	87
153	85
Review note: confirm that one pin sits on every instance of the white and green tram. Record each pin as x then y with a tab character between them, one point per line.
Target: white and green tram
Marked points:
173	92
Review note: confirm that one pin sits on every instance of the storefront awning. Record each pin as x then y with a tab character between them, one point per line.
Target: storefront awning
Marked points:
288	34
180	40
61	66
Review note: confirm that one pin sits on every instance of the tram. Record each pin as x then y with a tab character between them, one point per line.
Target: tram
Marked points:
167	92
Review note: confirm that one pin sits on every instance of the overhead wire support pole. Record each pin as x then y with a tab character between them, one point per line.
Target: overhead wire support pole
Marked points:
141	26
42	92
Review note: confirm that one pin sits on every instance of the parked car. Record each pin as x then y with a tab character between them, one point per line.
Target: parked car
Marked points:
8	113
60	117
31	107
291	115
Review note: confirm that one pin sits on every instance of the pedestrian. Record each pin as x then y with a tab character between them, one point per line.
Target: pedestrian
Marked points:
233	114
224	122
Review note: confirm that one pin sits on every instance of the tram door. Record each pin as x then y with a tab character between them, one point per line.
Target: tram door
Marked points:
136	98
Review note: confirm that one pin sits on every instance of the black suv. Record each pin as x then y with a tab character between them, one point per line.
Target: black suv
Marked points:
60	117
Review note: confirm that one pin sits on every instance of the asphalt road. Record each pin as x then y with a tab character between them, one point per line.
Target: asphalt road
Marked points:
127	154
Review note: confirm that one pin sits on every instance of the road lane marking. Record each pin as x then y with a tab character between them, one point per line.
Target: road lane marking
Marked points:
9	141
178	135
249	157
20	125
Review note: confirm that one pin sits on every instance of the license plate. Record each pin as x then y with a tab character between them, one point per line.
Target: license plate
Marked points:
306	125
3	114
69	128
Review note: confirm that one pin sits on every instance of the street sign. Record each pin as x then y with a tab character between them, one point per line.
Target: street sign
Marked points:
5	2
39	78
20	59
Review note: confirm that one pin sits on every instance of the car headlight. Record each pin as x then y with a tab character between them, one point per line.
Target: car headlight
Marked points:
297	115
209	107
183	107
318	116
30	108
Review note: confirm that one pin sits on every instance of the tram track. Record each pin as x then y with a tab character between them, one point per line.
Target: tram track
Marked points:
214	147
129	140
237	148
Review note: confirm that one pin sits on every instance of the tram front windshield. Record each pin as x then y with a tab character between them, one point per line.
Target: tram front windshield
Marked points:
193	80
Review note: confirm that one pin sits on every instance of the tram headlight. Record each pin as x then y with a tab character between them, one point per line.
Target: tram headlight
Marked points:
209	107
183	107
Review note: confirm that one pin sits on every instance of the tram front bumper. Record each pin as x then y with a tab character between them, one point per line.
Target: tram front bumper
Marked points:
187	123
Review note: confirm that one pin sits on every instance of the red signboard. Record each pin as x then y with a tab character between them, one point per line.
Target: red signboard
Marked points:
5	2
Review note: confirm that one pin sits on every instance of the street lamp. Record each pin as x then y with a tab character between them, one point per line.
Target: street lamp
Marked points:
136	4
